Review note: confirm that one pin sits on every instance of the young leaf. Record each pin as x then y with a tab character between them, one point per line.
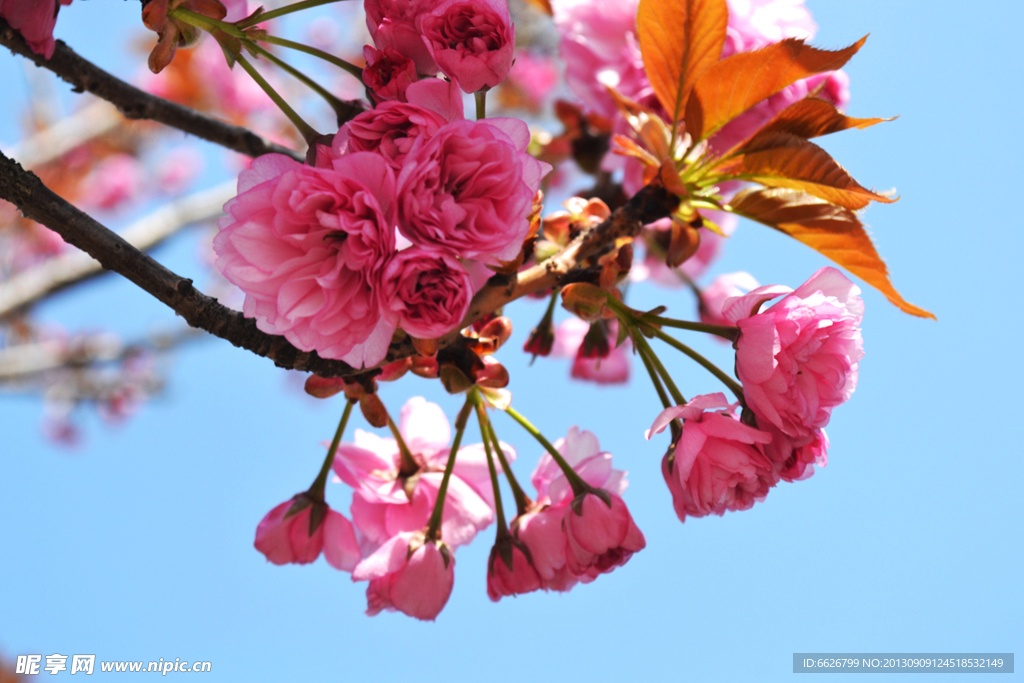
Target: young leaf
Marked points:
830	230
679	41
810	118
784	160
737	83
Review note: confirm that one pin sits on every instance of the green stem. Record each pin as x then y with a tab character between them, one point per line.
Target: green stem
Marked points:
434	525
481	104
578	485
335	103
655	380
481	414
326	56
723	331
321	479
644	347
409	464
281	11
733	385
208	24
307	131
523	501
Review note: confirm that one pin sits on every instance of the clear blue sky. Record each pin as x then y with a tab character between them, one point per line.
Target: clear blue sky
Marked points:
139	545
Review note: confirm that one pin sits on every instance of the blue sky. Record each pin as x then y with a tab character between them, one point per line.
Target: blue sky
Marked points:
139	545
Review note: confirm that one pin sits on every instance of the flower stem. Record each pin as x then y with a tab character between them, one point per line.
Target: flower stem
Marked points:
655	380
481	104
307	131
321	479
335	103
481	414
326	56
523	501
578	485
733	385
434	525
723	331
208	24
646	349
280	12
409	465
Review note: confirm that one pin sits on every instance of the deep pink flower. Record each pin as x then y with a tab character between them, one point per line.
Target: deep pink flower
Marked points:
611	369
582	451
307	246
427	290
393	24
795	458
540	530
388	73
471	41
285	538
387	501
723	287
391	128
408	574
798	359
504	580
34	20
599	536
718	465
469	189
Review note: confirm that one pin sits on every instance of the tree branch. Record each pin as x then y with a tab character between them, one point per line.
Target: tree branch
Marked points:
39	203
67	269
137	104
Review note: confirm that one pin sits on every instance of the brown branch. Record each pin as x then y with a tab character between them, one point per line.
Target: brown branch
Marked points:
137	104
39	203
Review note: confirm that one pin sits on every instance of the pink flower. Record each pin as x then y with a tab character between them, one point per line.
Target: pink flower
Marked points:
795	458
471	41
510	571
611	369
427	290
469	189
307	246
34	20
285	535
754	24
393	24
723	287
582	451
599	535
798	359
540	530
388	73
718	465
177	169
388	501
391	128
113	182
408	574
535	75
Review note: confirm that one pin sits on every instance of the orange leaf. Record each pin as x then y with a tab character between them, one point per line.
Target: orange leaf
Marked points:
809	118
828	229
784	160
679	41
737	83
542	5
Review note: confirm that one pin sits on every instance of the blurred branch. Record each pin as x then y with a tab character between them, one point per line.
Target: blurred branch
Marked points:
137	104
55	141
59	272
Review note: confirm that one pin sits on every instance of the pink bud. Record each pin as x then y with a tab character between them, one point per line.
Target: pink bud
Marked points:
510	571
471	41
599	536
408	574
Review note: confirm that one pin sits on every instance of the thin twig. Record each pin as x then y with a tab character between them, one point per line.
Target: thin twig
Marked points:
137	104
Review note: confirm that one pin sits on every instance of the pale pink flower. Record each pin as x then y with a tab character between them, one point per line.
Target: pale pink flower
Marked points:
307	246
599	536
535	75
408	574
113	182
723	287
469	189
285	538
611	369
34	20
387	501
394	24
718	463
798	359
504	580
754	24
582	451
427	291
540	530
391	128
471	41
177	169
388	73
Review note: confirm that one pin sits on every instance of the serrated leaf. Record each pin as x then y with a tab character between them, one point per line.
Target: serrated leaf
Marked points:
831	230
679	41
784	160
811	117
737	83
